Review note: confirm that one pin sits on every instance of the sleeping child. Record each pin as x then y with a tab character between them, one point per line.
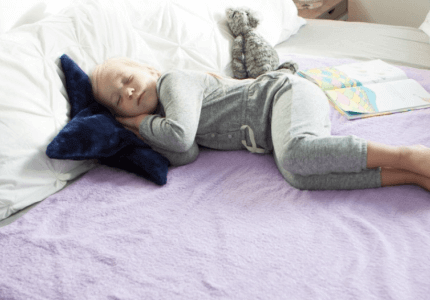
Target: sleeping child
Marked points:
278	112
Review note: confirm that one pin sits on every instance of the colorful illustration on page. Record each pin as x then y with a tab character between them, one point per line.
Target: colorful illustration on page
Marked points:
356	99
330	78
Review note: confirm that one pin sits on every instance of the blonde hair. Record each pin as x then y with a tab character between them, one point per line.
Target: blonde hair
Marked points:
98	70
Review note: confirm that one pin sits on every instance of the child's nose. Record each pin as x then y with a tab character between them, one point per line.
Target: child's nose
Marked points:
130	92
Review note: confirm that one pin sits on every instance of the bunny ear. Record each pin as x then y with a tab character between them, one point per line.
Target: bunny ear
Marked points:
229	12
253	19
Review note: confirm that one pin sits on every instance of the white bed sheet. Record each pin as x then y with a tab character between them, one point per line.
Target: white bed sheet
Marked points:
398	45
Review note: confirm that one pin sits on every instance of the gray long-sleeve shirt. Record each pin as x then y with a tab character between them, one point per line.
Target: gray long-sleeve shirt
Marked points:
198	109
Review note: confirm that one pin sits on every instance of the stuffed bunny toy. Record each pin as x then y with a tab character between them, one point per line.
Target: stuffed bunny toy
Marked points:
252	54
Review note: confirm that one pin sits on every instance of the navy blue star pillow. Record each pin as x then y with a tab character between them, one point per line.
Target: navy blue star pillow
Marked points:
93	133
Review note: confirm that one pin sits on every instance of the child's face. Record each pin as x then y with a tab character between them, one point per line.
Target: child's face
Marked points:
128	91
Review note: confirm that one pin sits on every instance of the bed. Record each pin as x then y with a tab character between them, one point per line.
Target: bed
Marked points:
228	225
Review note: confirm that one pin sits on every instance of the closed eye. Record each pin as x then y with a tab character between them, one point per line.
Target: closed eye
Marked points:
119	101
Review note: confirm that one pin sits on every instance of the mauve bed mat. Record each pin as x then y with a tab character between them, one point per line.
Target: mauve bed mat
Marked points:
228	226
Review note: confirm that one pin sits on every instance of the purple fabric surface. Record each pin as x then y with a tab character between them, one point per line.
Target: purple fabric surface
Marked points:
227	226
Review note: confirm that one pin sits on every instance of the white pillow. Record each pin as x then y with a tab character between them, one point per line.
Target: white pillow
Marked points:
426	25
33	100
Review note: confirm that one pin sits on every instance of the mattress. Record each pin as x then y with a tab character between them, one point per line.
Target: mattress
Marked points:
228	225
398	45
403	46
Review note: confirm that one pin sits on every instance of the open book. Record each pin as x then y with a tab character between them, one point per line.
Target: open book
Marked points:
367	89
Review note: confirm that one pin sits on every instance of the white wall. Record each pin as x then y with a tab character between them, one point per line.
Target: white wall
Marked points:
393	12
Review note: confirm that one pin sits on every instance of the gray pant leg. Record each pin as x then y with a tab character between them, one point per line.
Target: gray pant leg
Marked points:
305	152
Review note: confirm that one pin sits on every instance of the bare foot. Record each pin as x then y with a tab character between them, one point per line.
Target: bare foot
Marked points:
416	159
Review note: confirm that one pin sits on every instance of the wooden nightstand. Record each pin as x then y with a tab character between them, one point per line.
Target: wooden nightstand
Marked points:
330	10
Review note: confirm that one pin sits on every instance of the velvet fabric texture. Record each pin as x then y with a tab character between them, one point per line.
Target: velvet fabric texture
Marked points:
93	133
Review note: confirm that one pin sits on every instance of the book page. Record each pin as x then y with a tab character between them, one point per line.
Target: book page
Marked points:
403	94
372	72
355	99
374	98
329	78
355	74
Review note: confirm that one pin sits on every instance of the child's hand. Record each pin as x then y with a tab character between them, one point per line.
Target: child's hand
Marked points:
132	123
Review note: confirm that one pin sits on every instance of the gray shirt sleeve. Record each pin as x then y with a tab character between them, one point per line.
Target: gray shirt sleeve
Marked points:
180	158
181	95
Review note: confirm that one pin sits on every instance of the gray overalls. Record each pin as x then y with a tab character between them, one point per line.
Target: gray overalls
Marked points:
278	113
